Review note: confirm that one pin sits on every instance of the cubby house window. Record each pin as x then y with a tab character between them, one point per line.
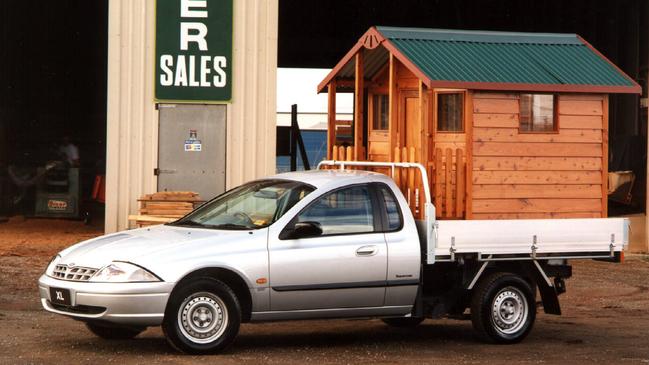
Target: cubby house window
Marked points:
538	113
450	112
380	113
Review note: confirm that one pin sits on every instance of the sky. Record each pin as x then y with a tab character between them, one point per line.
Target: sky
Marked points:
298	86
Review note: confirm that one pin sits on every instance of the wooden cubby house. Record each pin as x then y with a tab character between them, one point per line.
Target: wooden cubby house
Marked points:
508	125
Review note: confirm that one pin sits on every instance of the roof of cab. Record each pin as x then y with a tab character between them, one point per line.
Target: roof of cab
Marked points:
322	178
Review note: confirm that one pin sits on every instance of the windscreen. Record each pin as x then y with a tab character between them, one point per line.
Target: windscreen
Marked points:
251	206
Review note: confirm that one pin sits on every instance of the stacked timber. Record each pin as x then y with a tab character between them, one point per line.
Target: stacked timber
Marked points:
164	207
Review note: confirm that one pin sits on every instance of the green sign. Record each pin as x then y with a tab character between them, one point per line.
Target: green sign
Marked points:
193	50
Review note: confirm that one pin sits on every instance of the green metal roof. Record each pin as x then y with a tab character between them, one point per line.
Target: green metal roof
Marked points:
505	60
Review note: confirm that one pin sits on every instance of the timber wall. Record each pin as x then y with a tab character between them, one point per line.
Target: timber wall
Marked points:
539	175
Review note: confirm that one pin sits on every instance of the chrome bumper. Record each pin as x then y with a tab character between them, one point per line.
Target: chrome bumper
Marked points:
139	304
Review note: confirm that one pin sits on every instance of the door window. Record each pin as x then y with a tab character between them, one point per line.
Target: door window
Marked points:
380	112
344	211
391	209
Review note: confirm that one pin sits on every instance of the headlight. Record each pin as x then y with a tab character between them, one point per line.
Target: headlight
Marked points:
123	272
52	265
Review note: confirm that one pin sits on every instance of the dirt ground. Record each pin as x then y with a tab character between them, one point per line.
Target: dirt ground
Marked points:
606	320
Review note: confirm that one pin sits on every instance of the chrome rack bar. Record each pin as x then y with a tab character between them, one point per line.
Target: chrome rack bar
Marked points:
391	165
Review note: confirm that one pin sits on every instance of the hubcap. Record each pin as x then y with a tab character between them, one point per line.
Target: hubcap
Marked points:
202	317
509	310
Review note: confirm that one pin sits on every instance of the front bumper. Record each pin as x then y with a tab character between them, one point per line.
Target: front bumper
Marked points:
137	304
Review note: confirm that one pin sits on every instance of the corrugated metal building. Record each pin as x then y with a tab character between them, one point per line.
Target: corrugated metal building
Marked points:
133	119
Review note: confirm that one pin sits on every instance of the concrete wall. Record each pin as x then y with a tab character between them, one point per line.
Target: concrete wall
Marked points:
132	119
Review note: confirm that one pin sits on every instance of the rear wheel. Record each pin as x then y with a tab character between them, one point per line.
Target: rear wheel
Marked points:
114	333
503	308
202	317
403	321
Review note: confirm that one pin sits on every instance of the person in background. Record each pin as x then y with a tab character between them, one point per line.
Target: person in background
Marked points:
69	152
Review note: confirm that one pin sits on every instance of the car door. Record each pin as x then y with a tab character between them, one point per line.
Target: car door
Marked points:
343	267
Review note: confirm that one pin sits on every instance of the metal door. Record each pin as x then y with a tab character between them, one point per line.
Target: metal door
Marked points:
330	271
191	149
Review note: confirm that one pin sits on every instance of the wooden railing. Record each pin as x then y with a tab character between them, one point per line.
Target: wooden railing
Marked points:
342	153
446	173
449	183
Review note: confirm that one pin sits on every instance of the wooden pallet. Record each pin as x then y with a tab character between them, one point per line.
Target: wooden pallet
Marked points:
164	207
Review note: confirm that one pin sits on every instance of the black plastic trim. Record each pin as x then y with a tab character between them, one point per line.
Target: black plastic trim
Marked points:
354	285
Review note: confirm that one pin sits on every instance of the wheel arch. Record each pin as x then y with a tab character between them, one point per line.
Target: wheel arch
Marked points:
229	277
533	275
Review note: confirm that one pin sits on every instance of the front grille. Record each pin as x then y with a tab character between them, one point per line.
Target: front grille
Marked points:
74	273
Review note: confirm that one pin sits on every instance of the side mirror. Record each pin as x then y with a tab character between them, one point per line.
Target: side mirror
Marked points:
306	229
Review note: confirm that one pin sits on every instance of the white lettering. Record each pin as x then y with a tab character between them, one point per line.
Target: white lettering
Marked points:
219	63
167	78
192	71
198	38
181	72
187	12
205	70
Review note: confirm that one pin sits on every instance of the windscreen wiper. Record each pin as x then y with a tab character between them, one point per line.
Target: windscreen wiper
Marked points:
229	226
189	223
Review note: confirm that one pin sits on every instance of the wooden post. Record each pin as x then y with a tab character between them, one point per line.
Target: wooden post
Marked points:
423	133
392	108
359	90
412	183
331	118
605	157
468	122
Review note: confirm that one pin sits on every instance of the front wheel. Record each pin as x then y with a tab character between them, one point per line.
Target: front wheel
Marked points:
503	308
202	317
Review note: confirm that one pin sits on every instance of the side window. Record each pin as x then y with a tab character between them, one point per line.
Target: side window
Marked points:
537	113
344	211
391	207
450	112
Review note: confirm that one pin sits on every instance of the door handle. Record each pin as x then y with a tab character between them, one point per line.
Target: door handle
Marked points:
157	171
367	251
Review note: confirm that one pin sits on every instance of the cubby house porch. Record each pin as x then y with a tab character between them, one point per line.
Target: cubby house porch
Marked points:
407	115
399	125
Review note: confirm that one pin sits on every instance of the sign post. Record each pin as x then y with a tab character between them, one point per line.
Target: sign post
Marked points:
194	51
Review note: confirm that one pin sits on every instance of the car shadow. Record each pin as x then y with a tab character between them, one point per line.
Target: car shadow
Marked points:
307	334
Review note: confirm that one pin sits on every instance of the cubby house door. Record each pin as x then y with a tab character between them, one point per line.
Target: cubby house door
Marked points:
409	123
449	153
378	132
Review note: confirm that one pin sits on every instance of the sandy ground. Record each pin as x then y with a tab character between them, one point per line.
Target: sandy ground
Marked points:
606	320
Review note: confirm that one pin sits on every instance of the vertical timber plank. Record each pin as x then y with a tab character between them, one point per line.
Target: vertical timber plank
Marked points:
459	183
397	171
439	177
449	183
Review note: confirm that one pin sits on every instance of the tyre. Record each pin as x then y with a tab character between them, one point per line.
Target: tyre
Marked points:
503	308
114	333
403	322
202	316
